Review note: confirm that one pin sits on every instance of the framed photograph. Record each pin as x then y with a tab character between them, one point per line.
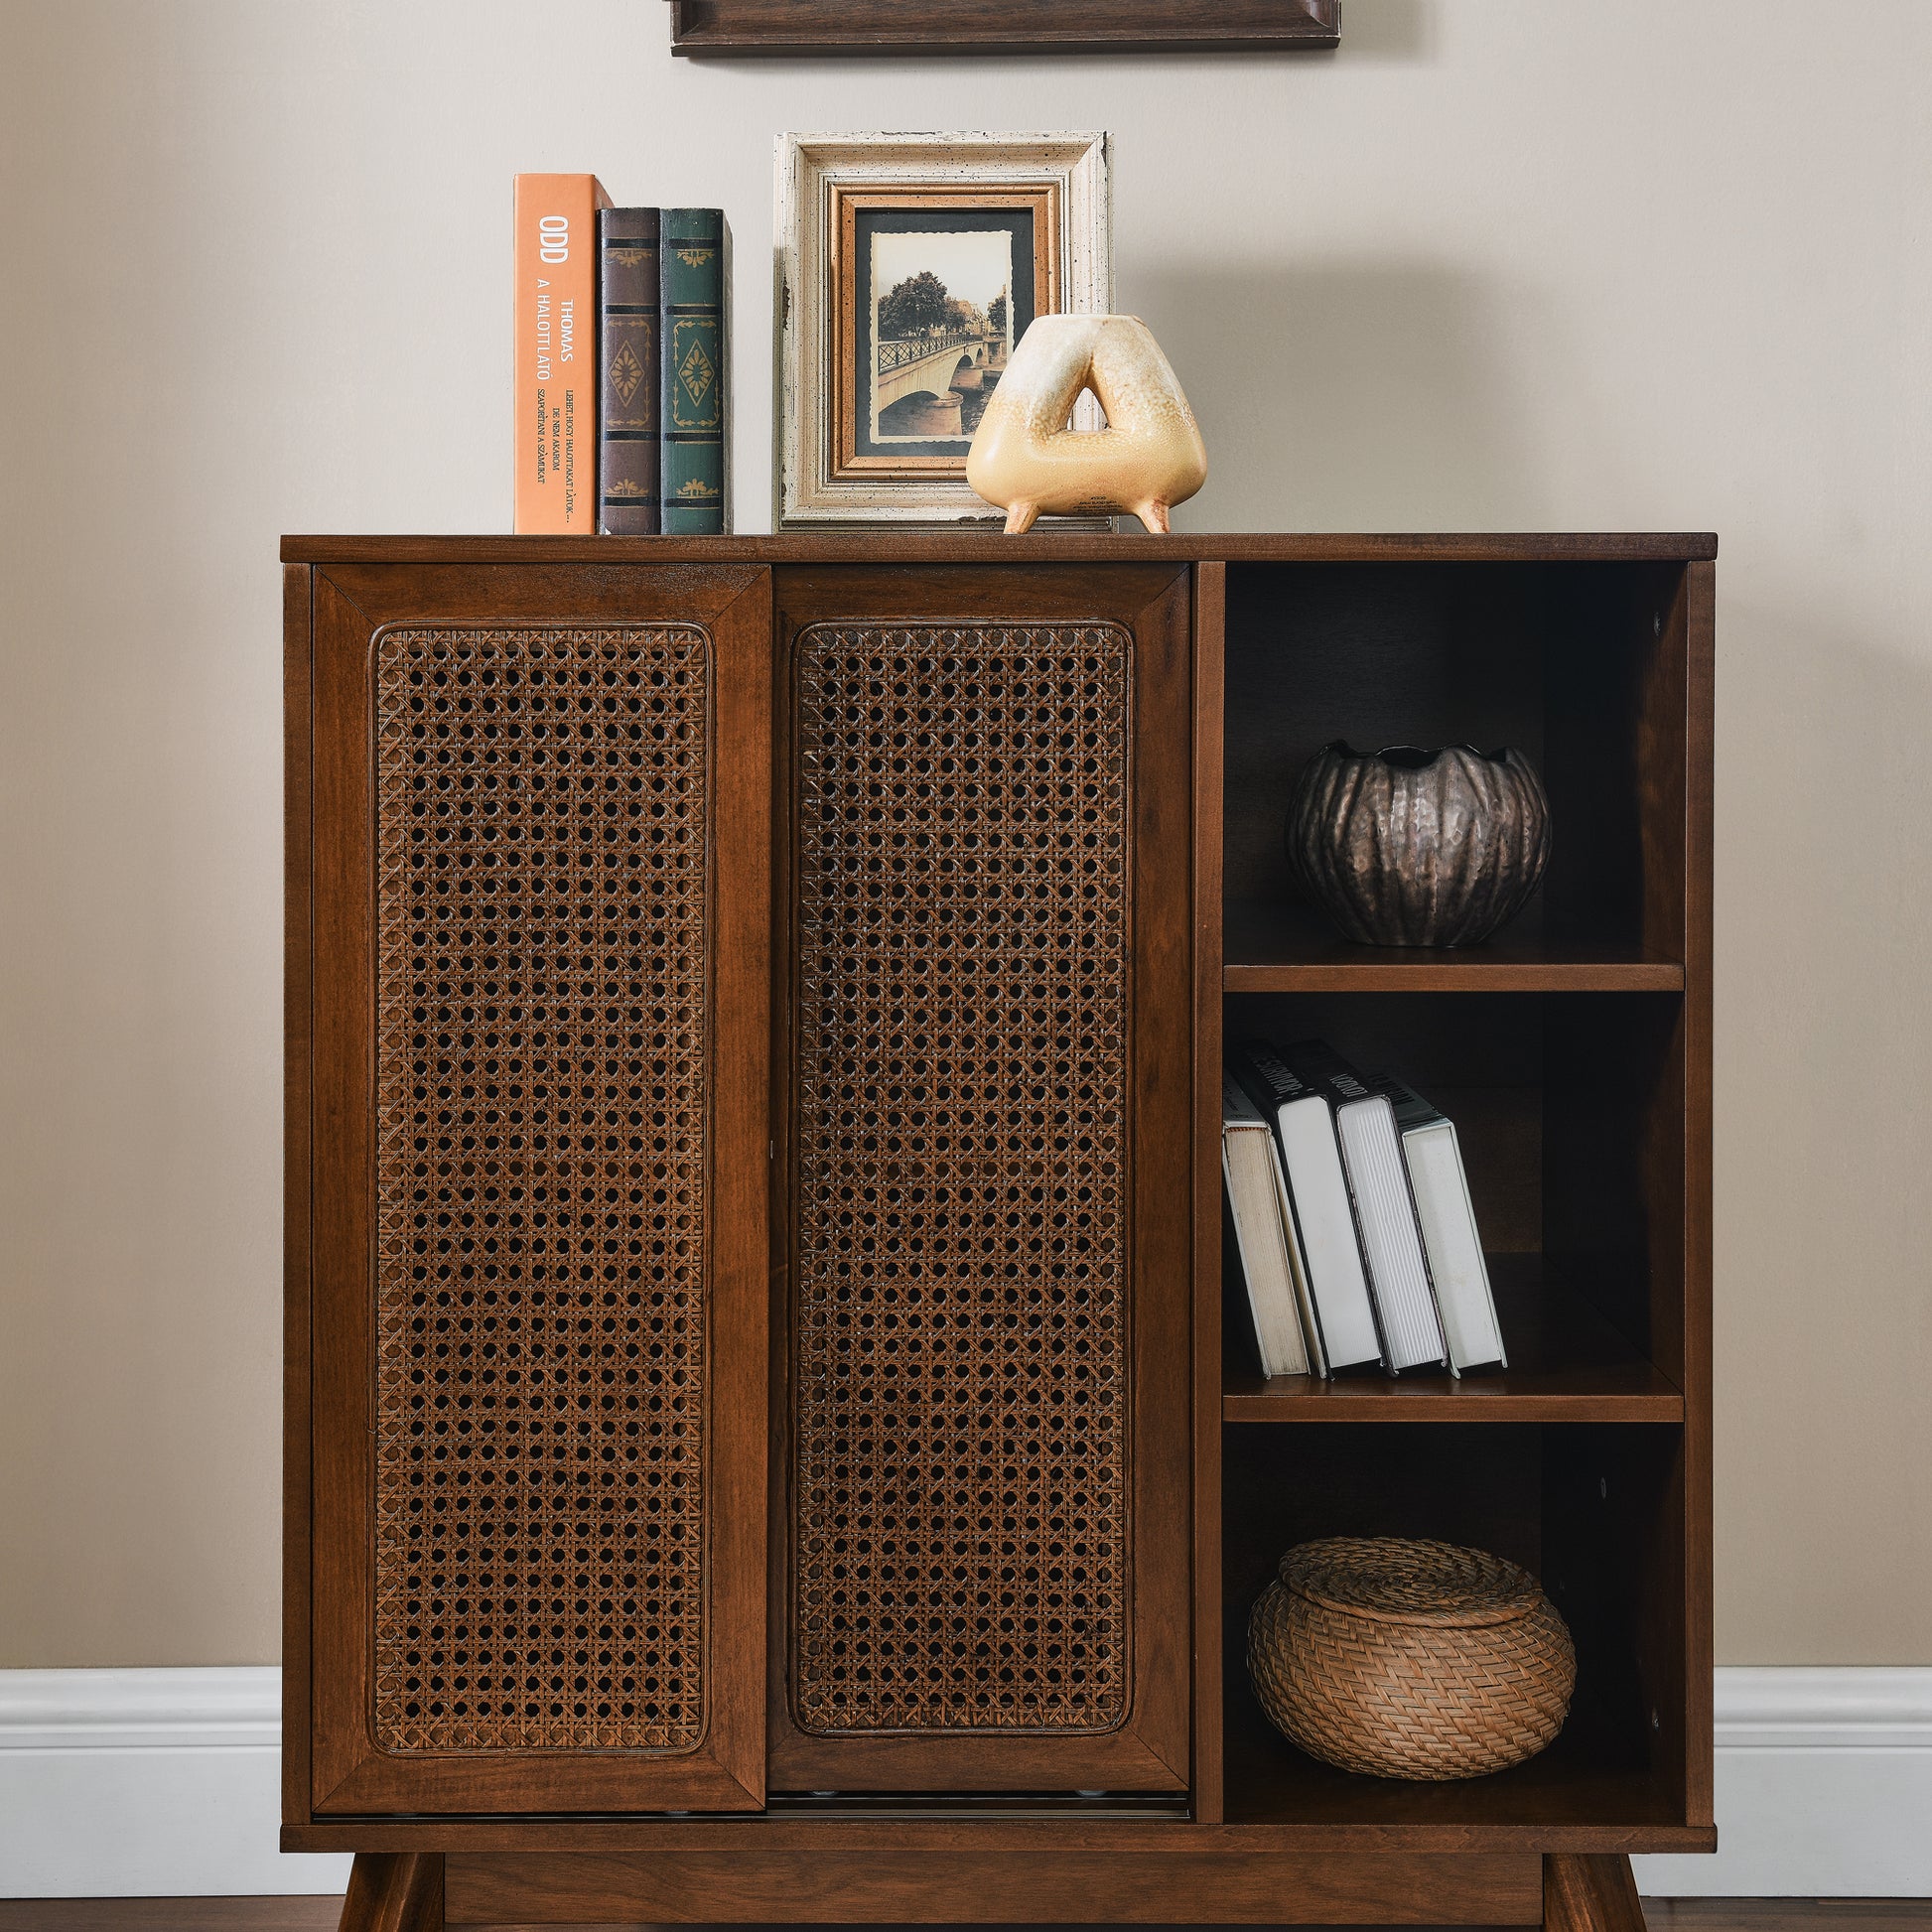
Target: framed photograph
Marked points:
909	265
784	26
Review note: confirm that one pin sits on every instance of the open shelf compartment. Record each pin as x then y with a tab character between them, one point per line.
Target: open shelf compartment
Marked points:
1569	1109
1588	1509
1572	1052
1580	667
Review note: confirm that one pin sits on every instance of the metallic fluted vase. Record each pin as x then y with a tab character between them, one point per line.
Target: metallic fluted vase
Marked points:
1408	846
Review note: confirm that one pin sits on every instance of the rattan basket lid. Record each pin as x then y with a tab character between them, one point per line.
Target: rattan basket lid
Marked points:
1403	1580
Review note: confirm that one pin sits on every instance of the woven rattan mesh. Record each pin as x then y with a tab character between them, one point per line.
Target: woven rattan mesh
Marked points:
541	804
960	1478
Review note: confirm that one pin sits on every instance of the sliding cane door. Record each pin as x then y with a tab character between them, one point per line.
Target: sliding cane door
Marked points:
983	1579
541	915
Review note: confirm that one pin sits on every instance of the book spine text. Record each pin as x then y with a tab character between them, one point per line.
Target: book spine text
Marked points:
556	353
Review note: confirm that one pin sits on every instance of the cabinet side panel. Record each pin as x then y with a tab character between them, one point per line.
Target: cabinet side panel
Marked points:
1210	642
297	972
1699	628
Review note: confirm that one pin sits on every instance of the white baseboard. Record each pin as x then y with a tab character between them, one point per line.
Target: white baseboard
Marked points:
146	1783
118	1783
1824	1789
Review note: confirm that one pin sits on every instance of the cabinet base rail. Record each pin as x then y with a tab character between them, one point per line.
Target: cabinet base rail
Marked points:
413	1891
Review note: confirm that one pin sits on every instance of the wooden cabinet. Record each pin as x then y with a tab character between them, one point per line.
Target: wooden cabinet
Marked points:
761	1441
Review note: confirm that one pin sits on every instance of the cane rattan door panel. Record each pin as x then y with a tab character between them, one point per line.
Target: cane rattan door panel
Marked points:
964	941
551	1612
542	798
970	879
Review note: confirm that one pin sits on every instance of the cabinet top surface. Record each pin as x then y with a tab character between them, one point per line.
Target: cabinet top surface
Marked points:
876	546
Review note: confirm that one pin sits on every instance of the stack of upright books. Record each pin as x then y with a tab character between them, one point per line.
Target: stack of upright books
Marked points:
622	392
1352	1219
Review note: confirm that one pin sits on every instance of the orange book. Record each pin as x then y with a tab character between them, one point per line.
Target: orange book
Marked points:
556	353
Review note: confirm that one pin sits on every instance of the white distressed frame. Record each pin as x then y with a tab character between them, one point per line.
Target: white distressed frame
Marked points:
810	168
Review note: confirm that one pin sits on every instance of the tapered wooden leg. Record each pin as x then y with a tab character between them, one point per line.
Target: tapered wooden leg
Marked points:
1590	1893
394	1891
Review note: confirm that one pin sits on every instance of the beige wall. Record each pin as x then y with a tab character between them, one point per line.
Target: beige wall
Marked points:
1499	264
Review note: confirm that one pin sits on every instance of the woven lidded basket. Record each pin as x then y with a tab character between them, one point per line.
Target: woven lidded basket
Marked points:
1410	1659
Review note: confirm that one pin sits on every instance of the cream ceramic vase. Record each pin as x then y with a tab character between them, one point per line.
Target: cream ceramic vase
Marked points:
1149	458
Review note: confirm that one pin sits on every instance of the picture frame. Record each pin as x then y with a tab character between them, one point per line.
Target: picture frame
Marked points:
718	27
909	265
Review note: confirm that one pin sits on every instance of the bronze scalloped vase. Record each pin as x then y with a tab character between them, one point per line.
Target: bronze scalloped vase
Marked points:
1408	847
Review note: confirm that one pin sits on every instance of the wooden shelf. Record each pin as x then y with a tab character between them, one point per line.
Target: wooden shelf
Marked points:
1584	1776
1567	1364
712	29
1272	947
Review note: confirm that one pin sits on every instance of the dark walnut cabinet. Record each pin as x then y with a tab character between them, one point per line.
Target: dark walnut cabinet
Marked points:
763	1440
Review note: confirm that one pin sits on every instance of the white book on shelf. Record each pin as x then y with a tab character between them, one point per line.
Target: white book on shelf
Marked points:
1340	1314
1263	1233
1450	1237
1385	1212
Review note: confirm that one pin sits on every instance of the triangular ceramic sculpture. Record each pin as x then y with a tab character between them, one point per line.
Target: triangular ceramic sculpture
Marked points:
1149	458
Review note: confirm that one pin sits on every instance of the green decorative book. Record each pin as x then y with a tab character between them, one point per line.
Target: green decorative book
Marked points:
694	252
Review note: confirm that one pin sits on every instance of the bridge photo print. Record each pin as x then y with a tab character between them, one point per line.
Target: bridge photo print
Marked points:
941	329
935	289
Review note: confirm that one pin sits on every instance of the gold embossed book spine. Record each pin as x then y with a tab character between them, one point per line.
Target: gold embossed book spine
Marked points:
630	424
695	258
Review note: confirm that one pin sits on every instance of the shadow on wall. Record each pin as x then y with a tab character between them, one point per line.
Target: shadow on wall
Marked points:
1388	29
1347	395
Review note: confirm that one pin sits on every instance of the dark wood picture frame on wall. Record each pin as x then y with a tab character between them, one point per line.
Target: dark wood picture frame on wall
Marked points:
801	27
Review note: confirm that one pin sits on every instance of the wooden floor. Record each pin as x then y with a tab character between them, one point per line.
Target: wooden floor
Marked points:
319	1915
170	1915
1788	1914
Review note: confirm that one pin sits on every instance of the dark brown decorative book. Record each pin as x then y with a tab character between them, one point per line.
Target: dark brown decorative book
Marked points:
628	495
